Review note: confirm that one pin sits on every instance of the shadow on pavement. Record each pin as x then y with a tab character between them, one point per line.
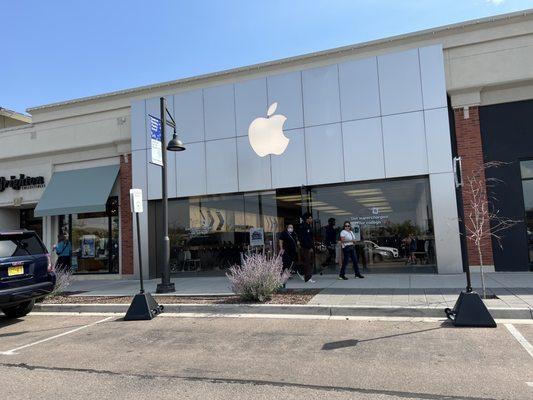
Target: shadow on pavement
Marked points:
353	342
5	321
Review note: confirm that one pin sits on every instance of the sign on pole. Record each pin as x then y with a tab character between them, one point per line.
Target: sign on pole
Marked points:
143	305
136	201
257	237
156	141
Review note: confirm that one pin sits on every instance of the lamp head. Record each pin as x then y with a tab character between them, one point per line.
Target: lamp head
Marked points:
175	144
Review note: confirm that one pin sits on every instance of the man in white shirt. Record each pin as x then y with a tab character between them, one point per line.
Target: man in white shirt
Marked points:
348	241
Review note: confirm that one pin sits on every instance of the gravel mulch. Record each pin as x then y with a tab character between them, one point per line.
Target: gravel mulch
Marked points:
290	296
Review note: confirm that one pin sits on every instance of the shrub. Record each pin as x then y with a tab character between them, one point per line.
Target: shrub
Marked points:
258	278
63	280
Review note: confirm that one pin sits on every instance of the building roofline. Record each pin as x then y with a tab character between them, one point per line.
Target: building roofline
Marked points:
289	60
15	115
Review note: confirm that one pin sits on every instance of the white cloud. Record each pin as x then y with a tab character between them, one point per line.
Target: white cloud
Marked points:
496	2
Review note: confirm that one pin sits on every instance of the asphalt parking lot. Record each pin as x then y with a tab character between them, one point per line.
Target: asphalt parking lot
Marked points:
103	357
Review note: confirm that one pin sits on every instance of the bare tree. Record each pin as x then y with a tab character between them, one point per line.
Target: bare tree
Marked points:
483	221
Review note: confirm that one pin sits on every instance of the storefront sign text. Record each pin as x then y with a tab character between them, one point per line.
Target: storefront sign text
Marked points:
22	182
369	220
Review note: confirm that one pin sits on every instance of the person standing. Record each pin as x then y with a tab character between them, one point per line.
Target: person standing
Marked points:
330	242
413	247
348	251
63	250
407	245
306	241
288	242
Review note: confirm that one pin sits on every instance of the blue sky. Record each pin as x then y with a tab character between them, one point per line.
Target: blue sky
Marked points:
59	50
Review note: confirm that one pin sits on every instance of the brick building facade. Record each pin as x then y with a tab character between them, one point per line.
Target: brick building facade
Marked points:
470	149
126	223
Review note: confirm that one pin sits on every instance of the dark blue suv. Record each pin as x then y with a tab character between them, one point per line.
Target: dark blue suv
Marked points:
26	272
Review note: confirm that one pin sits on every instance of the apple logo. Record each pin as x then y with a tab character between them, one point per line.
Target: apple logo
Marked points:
266	134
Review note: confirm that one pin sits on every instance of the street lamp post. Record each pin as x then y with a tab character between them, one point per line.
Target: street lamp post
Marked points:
174	145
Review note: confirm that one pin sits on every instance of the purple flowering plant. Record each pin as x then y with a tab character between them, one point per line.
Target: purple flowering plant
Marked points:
258	278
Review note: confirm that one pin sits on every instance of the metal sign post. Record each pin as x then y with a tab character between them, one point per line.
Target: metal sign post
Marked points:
143	305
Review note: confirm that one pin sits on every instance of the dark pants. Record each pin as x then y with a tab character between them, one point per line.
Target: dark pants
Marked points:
288	260
307	258
347	253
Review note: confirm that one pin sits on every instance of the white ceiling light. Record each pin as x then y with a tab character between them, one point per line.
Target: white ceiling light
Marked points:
292	197
371	199
363	192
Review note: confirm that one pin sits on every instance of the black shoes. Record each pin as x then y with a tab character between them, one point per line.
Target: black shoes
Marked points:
359	276
342	278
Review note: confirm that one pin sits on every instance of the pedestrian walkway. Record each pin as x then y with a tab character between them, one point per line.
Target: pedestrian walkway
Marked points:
514	290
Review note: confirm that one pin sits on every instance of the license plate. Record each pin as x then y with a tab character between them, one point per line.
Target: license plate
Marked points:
13	271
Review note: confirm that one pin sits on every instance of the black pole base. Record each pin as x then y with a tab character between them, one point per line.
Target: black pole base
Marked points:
165	288
143	307
469	310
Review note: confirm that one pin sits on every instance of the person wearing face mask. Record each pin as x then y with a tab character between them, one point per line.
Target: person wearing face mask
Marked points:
288	242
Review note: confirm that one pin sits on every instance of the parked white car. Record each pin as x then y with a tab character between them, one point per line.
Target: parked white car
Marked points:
386	252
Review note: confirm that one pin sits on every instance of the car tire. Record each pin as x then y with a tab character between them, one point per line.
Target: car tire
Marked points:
20	310
378	258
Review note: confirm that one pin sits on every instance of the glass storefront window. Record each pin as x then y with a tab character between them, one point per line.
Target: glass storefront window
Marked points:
526	168
394	218
211	233
94	239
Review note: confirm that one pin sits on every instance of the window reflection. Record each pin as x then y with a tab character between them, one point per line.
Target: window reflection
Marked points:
394	218
211	233
214	232
94	238
526	168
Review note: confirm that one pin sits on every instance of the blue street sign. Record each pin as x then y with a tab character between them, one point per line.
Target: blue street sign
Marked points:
156	141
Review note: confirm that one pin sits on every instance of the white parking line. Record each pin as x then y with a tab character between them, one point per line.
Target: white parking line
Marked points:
14	351
274	316
521	339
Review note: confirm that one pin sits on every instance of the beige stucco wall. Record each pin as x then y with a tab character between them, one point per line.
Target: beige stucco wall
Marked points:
494	70
6	122
83	132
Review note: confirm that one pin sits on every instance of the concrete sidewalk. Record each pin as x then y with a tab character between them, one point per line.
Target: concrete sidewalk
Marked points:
514	290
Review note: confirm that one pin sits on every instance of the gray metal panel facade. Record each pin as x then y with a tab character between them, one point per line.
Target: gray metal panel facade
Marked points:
390	110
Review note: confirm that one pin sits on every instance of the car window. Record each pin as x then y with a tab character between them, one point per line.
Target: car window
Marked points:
20	245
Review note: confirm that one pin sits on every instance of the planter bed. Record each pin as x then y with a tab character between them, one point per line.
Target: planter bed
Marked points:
289	296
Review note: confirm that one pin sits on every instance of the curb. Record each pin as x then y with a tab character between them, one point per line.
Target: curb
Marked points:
281	309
